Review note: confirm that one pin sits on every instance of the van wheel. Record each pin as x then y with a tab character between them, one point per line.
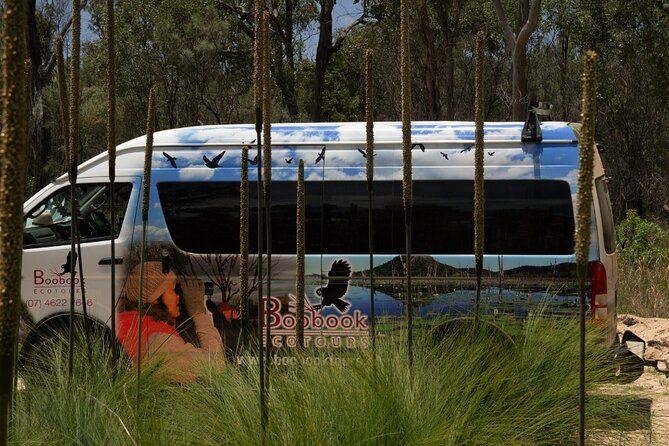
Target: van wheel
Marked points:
46	350
468	329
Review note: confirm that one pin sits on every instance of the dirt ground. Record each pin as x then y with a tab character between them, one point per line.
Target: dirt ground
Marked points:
652	385
653	331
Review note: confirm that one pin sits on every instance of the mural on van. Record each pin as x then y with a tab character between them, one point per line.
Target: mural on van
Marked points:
337	300
194	218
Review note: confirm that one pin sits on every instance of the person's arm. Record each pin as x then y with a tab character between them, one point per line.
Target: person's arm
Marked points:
193	293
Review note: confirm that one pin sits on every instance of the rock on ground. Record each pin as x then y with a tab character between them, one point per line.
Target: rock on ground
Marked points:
653	331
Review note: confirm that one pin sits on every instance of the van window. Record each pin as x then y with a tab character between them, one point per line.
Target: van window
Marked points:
608	228
49	223
521	217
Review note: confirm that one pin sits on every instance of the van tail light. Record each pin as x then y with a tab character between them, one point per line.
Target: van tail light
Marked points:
598	293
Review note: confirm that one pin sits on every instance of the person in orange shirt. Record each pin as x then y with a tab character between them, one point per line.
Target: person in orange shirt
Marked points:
160	307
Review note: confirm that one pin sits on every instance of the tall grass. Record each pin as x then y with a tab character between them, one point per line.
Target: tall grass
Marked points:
93	406
457	393
643	287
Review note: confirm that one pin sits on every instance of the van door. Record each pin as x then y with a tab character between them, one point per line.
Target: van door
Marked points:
45	287
606	241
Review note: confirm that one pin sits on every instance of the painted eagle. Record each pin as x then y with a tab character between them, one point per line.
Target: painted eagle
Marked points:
337	287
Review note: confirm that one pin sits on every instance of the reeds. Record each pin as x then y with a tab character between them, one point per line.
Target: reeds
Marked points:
13	147
267	182
407	185
73	157
146	198
258	70
300	242
479	198
583	215
369	133
244	245
111	150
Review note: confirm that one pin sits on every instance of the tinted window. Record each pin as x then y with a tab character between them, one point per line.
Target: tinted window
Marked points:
521	217
49	223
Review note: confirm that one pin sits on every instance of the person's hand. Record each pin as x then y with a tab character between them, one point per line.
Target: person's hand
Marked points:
193	292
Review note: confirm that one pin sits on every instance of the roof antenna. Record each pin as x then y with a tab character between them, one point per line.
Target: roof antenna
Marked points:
536	113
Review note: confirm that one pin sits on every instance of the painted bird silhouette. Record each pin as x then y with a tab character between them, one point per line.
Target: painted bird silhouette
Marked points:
363	153
337	287
213	164
419	145
320	156
288	160
67	266
491	153
445	155
467	149
171	159
254	161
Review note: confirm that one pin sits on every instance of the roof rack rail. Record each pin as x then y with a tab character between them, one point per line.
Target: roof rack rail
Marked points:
536	113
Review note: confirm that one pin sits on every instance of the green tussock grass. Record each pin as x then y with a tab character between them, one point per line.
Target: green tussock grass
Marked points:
456	393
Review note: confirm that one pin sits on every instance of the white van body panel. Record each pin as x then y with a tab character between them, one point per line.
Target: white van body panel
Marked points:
448	156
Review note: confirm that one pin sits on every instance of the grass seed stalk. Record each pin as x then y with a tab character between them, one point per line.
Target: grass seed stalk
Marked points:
13	147
583	216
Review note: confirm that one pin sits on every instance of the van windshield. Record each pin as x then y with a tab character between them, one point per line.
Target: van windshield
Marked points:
521	217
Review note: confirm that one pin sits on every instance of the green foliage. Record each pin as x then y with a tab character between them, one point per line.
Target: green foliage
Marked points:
343	96
198	54
641	240
457	392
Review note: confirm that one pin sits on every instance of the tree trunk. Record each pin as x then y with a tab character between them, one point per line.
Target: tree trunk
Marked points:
286	68
323	53
428	63
516	46
39	142
42	68
519	97
449	79
450	28
519	57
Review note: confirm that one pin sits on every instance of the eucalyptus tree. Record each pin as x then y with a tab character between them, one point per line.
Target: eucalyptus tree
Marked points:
45	21
288	18
191	51
516	45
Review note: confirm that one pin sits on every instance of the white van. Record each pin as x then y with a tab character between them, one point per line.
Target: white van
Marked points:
529	262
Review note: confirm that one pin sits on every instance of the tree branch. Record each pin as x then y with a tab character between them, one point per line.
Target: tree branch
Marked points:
48	65
532	22
343	33
509	38
244	17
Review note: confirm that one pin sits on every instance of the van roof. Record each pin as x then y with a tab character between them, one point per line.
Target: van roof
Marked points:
343	134
351	132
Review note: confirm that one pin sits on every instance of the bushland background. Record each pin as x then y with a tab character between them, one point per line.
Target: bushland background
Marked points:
198	54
